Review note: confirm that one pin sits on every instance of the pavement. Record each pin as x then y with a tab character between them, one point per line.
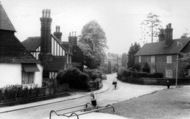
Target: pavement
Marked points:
171	103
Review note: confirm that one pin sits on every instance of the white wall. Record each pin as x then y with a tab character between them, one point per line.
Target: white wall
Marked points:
10	74
38	76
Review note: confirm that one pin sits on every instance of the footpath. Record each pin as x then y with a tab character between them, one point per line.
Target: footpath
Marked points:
171	103
51	101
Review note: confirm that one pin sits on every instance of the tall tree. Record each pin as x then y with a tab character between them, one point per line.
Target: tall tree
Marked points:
131	54
124	60
151	26
94	39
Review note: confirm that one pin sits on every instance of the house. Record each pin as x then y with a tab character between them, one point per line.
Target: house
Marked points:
49	49
17	65
164	56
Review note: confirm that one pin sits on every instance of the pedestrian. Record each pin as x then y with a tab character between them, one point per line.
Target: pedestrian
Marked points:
93	100
115	83
168	83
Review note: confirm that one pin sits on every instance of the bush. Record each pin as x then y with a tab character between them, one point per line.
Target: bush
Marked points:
146	68
93	73
75	78
17	91
124	74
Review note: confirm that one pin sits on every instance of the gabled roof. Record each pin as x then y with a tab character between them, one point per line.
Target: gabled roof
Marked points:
12	51
32	43
5	23
159	48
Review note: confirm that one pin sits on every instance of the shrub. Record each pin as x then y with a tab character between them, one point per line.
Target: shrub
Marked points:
146	68
93	73
75	78
17	91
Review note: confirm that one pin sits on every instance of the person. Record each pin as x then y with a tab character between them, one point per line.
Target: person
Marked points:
168	83
93	100
115	83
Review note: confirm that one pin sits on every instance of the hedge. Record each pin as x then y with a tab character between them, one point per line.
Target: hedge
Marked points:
76	79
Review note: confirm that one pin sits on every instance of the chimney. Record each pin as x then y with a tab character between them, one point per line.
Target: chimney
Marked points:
161	35
46	32
72	38
57	33
168	34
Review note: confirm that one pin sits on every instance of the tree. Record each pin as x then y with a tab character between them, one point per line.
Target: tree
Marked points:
151	26
131	54
124	60
93	43
146	68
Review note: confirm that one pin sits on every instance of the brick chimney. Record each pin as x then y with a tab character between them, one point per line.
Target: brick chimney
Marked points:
161	35
57	33
168	34
73	38
46	32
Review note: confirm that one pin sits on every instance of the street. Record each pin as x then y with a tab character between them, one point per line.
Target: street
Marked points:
123	92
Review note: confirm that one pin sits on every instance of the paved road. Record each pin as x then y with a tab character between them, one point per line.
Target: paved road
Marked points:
125	91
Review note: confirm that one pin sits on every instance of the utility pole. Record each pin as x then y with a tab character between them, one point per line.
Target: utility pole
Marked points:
177	66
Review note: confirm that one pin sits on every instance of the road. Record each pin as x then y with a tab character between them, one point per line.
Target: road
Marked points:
123	92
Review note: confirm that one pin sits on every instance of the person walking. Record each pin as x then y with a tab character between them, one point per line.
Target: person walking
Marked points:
93	100
168	83
115	83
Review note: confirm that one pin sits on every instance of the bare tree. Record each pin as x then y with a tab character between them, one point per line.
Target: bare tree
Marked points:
151	26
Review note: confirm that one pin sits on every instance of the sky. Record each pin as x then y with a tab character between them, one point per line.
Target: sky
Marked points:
120	19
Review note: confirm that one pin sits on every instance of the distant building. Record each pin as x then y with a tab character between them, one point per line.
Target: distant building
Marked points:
162	56
17	65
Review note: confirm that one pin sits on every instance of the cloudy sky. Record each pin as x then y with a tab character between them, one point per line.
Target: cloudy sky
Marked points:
120	19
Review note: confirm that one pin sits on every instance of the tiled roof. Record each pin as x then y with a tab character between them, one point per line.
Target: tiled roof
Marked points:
5	23
32	43
159	48
12	51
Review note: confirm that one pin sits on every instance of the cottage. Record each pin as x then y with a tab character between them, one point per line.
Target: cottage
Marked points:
164	56
17	65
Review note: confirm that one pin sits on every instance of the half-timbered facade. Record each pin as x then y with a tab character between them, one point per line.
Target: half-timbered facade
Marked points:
48	48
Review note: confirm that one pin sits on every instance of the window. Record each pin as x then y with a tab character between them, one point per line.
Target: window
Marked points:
152	59
169	59
169	73
139	59
27	77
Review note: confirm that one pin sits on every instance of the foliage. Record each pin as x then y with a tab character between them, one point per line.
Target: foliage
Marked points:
124	60
146	68
75	78
131	54
124	74
93	43
93	73
17	91
151	26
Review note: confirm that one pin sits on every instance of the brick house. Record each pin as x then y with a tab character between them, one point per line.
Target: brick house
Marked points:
162	55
